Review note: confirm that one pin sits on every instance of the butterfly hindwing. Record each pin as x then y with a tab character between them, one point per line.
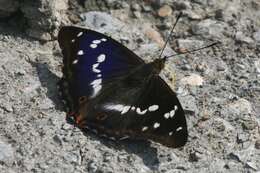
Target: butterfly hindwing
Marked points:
167	123
140	110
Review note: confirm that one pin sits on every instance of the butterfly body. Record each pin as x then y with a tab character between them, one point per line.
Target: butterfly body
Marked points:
113	92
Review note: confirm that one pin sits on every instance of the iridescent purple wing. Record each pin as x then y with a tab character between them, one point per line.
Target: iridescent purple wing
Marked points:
91	59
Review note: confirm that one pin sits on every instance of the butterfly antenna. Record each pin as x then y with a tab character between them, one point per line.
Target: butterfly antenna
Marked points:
194	50
168	38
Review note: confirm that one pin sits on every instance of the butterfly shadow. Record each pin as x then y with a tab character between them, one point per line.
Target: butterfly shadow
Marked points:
143	149
48	80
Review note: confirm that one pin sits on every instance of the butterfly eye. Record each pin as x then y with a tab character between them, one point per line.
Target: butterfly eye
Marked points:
82	99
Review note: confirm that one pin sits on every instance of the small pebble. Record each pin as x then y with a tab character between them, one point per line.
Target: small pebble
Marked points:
240	37
57	139
249	124
257	144
136	7
6	152
137	14
193	79
92	167
155	36
256	36
165	11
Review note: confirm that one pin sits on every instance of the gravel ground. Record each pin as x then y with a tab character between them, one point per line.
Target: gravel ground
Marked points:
220	84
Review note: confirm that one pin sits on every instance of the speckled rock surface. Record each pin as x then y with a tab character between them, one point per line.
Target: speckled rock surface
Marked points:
219	84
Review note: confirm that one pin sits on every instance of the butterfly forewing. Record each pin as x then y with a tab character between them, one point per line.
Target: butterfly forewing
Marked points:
113	92
90	59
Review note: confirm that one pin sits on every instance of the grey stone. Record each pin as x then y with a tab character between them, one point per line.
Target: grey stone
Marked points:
71	157
240	37
157	3
136	7
256	36
6	153
182	5
194	15
7	107
92	166
242	138
137	14
57	139
209	28
252	165
146	8
241	106
189	44
257	66
101	21
189	103
66	126
249	124
202	2
257	144
44	17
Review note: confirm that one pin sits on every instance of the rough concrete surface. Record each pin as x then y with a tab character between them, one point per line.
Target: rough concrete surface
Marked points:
220	85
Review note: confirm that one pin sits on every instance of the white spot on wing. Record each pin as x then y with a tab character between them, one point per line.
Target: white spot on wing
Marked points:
153	108
175	107
94	68
79	34
172	113
101	58
96	41
125	109
156	125
178	129
75	61
99	75
144	128
96	86
124	137
103	39
73	40
140	112
132	108
96	90
80	52
93	46
115	107
167	115
170	133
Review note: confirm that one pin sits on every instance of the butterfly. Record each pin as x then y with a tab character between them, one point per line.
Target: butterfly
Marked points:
113	92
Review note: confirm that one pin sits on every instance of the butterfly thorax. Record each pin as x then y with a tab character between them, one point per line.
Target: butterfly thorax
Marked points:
158	65
143	73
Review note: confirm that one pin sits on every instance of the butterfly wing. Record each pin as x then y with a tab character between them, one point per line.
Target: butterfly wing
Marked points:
90	59
167	124
146	111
